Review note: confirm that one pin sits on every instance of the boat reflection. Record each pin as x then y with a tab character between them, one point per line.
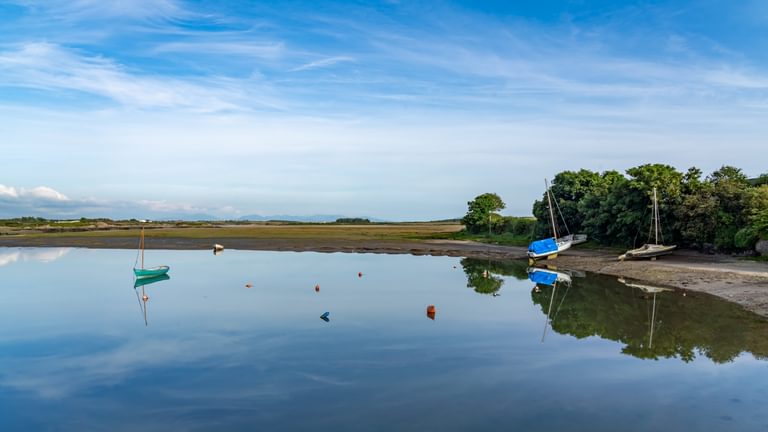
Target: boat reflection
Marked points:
550	278
144	298
652	290
653	322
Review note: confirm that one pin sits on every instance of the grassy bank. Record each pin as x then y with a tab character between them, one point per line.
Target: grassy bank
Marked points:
402	231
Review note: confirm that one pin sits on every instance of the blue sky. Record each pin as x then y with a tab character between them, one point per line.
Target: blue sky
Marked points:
395	110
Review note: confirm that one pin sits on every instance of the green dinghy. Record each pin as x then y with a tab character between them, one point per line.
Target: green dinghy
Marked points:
144	273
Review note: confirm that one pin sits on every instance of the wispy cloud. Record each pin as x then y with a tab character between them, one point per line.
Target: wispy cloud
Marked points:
51	67
326	62
236	47
97	10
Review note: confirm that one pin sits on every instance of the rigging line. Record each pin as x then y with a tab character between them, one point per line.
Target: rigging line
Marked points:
561	302
135	262
634	242
546	322
561	215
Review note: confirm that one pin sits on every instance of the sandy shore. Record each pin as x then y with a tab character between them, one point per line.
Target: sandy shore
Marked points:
740	281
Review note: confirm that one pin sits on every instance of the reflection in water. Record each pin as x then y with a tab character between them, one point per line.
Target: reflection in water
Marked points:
551	278
648	289
483	275
43	255
655	322
251	357
144	298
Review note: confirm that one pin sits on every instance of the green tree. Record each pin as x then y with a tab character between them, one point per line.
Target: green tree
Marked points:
732	190
479	212
568	188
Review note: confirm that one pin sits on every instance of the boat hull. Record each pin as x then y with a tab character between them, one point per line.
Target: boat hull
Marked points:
561	246
150	280
150	272
576	238
647	251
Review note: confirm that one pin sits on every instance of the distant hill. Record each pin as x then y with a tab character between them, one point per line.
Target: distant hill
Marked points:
295	218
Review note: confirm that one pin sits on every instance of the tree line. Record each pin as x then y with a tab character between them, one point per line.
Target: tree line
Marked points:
724	211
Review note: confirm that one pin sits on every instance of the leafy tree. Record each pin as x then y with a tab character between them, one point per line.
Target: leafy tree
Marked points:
478	215
696	216
567	189
731	188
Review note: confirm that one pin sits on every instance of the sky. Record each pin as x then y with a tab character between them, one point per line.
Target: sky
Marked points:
396	110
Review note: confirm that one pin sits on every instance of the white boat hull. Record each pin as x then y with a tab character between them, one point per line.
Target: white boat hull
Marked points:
562	245
647	251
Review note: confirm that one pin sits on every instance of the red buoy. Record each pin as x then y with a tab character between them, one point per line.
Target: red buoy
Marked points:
359	274
317	288
431	312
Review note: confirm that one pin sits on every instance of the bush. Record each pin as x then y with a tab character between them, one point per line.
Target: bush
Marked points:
745	238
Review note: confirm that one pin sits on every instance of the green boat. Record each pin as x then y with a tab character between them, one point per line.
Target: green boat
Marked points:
150	280
142	272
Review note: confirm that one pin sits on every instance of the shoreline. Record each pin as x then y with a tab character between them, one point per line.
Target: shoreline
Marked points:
739	281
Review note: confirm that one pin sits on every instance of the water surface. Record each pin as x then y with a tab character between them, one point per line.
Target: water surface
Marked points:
78	352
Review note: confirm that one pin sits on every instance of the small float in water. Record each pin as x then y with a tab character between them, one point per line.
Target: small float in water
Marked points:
431	311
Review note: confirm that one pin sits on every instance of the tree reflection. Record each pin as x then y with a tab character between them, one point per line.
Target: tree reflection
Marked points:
483	275
671	326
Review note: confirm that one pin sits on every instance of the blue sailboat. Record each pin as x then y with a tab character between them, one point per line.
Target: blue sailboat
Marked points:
549	247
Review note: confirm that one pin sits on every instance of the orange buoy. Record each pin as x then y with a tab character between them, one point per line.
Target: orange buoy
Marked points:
249	285
431	312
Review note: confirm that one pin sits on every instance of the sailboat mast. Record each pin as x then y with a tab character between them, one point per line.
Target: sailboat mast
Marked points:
142	247
656	216
551	214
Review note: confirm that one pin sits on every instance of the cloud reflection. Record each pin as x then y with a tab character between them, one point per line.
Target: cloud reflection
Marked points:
42	255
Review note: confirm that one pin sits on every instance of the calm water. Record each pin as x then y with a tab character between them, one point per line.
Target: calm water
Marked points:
76	354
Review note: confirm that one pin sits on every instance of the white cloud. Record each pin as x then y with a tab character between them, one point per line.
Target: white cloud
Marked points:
43	255
326	62
8	191
43	201
78	10
51	67
44	192
267	50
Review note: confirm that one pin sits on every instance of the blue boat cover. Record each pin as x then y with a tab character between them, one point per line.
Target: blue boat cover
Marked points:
542	246
541	277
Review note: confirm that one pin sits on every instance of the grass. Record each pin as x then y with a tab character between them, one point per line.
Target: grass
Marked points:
404	231
762	258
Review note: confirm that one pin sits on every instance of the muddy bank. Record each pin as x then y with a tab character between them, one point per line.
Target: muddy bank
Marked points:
743	282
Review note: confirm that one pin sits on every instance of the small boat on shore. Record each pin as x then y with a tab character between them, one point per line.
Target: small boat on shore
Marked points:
151	272
650	250
550	247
